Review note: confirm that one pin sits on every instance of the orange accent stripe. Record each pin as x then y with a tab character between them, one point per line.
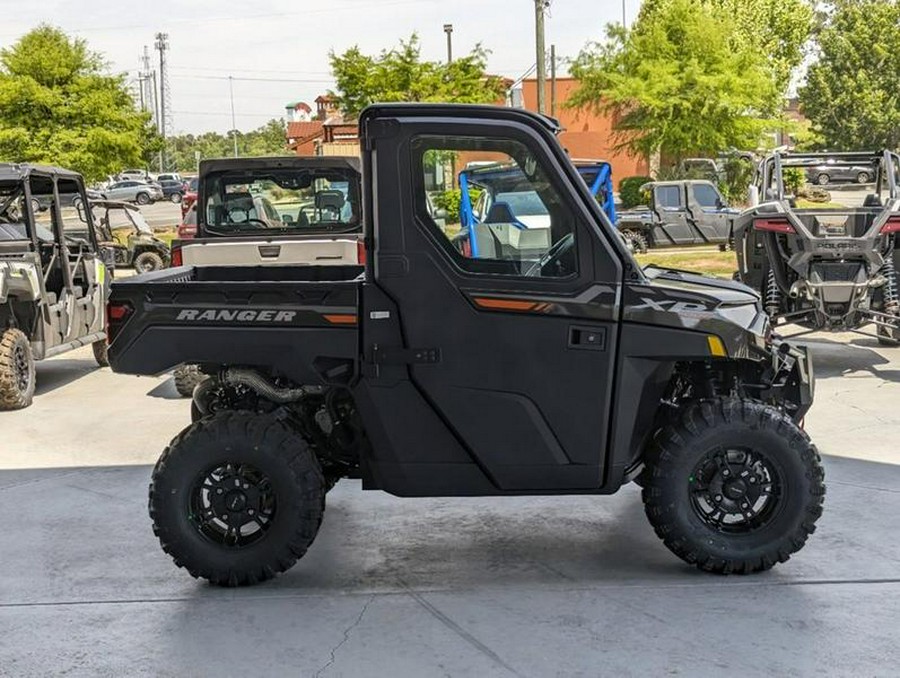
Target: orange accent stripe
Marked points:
341	318
505	304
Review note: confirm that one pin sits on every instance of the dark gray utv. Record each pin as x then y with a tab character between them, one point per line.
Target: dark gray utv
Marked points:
427	372
53	280
688	212
829	267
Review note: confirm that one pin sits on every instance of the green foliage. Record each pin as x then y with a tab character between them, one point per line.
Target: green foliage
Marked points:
851	93
737	177
794	178
450	201
683	81
268	140
58	106
777	29
630	191
400	74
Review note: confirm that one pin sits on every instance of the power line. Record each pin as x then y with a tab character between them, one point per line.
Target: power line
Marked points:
246	79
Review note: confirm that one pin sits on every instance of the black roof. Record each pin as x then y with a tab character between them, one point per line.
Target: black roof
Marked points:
21	171
438	110
285	162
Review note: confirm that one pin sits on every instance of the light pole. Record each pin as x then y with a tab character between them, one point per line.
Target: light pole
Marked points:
448	29
233	123
539	7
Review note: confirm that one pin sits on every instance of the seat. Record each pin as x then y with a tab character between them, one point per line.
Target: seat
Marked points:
240	203
873	200
331	202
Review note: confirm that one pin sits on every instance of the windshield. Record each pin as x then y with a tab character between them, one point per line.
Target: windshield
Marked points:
523	203
281	201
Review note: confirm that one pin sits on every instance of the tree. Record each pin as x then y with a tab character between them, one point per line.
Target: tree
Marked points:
266	140
682	81
778	29
851	93
59	106
400	74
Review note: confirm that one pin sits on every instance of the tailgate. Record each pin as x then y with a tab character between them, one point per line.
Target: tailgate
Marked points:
314	251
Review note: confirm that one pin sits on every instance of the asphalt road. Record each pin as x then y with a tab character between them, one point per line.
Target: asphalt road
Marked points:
550	586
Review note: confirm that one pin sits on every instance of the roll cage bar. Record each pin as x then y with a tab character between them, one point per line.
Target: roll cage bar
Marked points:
772	167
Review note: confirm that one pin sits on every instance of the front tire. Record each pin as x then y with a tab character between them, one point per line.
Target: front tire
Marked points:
146	262
823	179
176	198
862	178
638	241
143	199
237	498
18	376
733	486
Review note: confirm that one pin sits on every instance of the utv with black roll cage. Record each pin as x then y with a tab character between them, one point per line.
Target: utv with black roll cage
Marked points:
53	278
429	372
826	267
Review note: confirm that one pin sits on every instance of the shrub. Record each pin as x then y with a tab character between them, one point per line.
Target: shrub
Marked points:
630	191
794	178
450	200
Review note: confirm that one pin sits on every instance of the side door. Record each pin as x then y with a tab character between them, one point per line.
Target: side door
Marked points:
710	216
87	271
674	227
506	363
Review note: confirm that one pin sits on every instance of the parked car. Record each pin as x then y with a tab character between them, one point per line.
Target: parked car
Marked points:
188	227
41	203
137	174
53	282
190	194
172	176
122	228
172	189
835	170
141	192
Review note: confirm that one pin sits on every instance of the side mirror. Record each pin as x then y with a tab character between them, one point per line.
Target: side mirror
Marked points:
753	195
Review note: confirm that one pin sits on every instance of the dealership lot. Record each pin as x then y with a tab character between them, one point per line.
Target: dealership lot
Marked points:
519	586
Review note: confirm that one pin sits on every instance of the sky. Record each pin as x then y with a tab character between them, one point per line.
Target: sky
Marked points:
277	51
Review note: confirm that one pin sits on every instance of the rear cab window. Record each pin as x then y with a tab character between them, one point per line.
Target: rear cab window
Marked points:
281	201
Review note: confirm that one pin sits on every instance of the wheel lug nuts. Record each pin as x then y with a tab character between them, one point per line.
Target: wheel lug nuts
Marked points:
219	491
250	512
718	497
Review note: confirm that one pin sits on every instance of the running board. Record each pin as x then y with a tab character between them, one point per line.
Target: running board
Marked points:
77	343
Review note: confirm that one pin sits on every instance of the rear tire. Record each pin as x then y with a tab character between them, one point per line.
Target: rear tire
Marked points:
17	372
734	486
176	198
862	178
101	352
638	241
142	199
186	379
888	336
823	180
146	262
237	498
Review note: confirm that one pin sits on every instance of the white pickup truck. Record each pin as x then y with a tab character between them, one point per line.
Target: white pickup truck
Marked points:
280	211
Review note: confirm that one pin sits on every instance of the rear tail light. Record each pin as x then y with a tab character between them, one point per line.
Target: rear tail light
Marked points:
892	225
187	231
361	252
177	259
116	315
774	225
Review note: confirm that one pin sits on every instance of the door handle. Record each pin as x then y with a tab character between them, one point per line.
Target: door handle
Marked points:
587	338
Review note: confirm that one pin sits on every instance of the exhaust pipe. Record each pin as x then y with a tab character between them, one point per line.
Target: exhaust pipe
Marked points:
244	376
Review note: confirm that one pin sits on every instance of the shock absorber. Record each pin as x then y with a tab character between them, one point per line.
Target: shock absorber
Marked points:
891	295
772	301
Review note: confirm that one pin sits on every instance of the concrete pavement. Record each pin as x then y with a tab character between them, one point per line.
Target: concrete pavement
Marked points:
432	587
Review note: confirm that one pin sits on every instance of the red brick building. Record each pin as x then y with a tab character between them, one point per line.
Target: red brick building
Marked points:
587	134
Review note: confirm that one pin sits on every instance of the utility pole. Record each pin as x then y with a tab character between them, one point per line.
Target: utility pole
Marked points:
553	81
539	8
162	44
233	123
624	24
448	29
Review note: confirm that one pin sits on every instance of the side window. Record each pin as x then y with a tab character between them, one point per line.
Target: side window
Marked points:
706	196
42	205
668	197
520	224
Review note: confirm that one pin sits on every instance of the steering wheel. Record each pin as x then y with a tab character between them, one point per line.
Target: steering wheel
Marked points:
559	248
